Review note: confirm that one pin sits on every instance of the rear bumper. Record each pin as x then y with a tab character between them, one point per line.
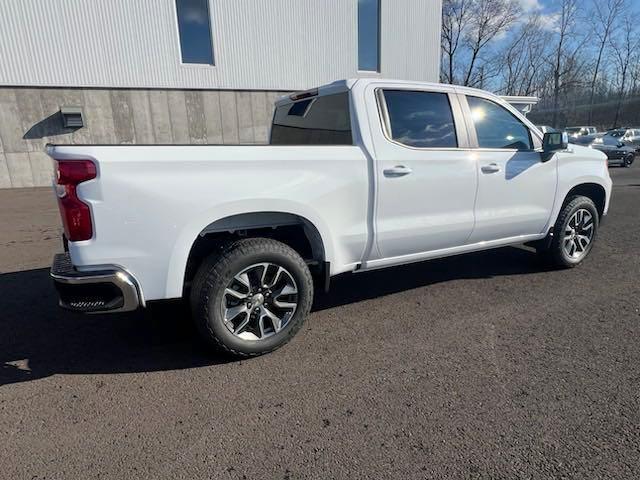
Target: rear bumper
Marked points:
110	289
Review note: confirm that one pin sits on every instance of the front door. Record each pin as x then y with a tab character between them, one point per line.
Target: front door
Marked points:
516	189
426	183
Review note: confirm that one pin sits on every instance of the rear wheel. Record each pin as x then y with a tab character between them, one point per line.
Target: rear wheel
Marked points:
574	232
251	297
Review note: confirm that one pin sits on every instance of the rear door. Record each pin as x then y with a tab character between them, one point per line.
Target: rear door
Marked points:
516	188
426	178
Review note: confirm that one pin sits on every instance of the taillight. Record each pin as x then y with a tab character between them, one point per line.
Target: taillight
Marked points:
76	215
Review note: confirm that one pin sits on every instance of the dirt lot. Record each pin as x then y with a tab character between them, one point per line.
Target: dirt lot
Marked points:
487	365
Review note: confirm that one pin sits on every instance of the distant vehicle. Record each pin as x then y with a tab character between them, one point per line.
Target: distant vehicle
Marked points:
547	129
629	136
584	140
580	131
617	152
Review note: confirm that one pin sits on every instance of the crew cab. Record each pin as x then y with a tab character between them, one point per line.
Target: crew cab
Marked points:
359	174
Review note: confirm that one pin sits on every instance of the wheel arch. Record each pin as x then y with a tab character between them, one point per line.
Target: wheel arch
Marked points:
589	188
592	190
309	237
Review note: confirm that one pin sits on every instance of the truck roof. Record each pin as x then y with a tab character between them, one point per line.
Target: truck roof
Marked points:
349	83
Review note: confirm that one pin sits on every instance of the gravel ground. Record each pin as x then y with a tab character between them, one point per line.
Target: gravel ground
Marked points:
487	365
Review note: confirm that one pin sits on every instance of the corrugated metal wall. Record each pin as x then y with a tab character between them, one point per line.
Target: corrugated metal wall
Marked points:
258	44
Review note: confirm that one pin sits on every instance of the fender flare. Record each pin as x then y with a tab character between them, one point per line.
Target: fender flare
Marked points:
562	195
219	215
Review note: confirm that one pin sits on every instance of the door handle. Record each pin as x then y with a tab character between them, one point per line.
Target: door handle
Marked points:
491	168
397	171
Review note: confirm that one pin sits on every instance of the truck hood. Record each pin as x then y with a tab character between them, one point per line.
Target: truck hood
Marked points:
587	152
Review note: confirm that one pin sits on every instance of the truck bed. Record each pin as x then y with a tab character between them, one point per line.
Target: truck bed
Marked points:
151	202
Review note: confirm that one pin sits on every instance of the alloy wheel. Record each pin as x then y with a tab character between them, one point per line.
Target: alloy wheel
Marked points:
578	234
259	301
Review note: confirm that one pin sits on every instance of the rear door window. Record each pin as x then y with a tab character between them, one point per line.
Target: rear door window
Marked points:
420	119
323	120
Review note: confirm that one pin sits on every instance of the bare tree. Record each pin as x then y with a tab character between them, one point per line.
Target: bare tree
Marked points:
522	62
488	20
454	23
565	64
634	73
625	52
605	13
581	74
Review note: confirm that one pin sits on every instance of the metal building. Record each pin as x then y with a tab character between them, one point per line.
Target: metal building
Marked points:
186	71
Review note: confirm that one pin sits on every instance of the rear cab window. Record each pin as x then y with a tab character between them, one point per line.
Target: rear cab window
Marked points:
419	119
319	120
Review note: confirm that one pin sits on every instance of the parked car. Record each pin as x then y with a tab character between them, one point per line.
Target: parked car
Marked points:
547	129
629	136
360	175
580	131
583	140
618	153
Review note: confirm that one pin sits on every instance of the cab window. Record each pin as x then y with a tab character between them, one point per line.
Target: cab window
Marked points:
420	119
323	120
497	127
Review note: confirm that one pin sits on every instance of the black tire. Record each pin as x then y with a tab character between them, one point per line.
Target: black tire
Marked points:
216	273
556	252
628	161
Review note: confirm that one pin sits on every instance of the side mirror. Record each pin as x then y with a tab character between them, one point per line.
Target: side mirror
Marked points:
553	142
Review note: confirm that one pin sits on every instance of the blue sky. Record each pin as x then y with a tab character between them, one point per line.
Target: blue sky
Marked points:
549	8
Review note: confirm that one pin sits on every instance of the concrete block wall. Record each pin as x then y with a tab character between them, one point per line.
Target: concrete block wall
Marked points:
29	120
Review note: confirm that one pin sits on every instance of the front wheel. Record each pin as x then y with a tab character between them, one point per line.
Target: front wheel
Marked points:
628	161
252	297
574	232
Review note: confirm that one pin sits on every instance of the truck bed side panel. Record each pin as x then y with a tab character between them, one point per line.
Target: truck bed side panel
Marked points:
149	203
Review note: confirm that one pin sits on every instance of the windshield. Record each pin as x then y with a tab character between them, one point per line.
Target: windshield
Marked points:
616	133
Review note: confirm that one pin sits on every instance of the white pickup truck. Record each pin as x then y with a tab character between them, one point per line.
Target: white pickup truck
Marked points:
359	175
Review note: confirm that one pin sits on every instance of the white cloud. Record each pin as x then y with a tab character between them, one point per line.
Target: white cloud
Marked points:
550	21
530	5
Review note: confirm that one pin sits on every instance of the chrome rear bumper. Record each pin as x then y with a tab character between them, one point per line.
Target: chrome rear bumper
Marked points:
106	290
